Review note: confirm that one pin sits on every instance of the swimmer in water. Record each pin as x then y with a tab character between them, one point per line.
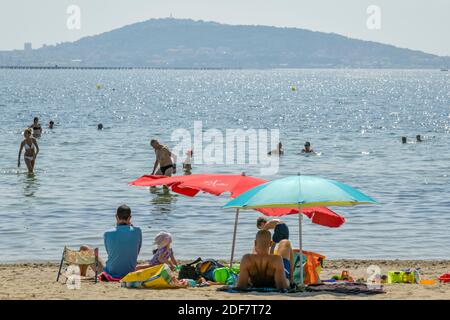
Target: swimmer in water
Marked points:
31	150
164	156
419	138
404	140
51	124
278	151
307	148
36	128
100	126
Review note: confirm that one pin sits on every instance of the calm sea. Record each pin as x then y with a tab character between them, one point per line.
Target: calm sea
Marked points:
354	118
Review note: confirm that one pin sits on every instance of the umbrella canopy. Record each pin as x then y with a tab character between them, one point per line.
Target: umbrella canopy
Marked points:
190	185
217	184
300	191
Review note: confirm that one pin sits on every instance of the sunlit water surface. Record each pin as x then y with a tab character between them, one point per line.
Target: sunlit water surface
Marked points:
354	118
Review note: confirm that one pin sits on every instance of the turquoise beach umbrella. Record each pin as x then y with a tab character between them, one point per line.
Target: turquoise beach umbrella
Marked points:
300	191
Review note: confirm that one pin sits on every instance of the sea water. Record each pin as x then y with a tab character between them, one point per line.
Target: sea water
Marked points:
354	118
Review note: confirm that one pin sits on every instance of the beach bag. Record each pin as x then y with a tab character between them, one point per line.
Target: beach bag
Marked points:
312	266
206	268
188	271
156	277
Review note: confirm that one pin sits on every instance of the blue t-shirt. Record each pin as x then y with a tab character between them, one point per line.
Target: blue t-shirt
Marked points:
122	244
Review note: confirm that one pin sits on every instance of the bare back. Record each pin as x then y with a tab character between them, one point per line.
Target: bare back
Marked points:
163	156
262	271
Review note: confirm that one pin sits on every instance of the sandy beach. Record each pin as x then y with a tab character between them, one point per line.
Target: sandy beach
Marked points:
37	281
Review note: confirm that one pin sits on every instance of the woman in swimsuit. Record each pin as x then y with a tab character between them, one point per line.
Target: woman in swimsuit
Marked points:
37	129
31	150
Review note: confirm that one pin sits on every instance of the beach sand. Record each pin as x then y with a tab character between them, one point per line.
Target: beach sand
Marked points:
37	281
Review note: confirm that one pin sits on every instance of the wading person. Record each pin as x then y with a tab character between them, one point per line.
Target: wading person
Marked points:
36	127
31	147
165	159
187	163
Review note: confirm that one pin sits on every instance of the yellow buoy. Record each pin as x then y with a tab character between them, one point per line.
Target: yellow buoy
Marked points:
294	88
99	86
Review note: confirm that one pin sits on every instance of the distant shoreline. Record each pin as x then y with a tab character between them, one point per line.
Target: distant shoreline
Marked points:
202	68
108	68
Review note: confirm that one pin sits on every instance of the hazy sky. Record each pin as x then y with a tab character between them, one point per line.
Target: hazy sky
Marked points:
416	24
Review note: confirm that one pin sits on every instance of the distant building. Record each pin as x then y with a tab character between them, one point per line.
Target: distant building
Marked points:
27	46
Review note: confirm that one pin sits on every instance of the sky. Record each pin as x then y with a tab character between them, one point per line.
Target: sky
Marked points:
416	24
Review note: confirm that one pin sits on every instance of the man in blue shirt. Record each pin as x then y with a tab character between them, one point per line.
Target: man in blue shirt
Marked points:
122	244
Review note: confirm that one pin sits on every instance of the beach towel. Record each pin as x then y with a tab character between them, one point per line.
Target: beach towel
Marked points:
107	277
156	277
345	288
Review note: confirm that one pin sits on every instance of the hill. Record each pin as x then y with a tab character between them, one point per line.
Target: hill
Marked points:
176	43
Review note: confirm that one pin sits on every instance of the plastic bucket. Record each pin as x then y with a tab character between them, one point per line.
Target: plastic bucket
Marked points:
221	275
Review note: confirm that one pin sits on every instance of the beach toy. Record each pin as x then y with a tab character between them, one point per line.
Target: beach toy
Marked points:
330	280
346	276
445	278
427	281
221	275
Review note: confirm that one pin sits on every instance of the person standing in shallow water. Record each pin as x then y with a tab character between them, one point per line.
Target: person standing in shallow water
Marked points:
163	159
187	163
36	128
31	150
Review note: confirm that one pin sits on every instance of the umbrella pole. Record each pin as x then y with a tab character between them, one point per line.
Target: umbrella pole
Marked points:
300	244
234	237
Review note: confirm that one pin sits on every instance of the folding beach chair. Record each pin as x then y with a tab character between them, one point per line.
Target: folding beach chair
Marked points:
79	258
